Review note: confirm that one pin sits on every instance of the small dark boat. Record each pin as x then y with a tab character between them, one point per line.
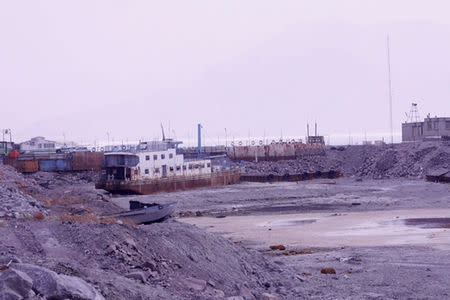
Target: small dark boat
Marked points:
144	213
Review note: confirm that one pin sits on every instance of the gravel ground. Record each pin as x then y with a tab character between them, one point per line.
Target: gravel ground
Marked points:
388	272
305	196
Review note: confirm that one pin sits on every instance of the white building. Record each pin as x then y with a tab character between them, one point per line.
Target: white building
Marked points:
38	144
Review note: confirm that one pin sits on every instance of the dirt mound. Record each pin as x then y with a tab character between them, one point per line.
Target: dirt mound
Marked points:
401	160
166	260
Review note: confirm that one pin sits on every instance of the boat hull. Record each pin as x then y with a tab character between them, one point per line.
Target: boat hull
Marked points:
146	215
145	187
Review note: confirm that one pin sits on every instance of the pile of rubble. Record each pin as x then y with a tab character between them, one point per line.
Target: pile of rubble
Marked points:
169	260
27	281
401	160
18	194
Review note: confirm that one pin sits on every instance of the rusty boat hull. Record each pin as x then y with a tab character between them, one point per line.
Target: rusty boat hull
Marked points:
171	184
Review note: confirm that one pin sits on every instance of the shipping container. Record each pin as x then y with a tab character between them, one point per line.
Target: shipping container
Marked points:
87	161
27	166
24	166
64	165
47	165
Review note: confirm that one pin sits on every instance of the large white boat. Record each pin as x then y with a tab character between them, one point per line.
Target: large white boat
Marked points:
156	167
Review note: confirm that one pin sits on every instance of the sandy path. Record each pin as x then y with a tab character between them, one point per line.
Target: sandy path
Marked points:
373	228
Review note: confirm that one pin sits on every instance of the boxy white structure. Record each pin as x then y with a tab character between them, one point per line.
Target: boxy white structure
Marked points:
164	164
38	144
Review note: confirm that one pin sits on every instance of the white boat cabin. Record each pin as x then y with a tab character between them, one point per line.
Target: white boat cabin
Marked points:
152	165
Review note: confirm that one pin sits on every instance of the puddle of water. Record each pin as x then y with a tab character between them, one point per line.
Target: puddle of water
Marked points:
289	223
428	222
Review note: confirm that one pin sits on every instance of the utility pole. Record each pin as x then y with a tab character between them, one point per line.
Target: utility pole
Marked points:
226	138
199	138
390	91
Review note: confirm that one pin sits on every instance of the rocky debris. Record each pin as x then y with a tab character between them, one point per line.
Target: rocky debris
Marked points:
194	284
18	194
165	260
328	271
401	160
57	286
246	294
14	284
139	276
35	195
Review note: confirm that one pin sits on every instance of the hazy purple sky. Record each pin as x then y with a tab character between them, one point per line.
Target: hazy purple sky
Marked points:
84	68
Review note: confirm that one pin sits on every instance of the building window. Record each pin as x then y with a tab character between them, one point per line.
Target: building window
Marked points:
190	166
171	169
163	156
156	170
147	157
429	125
196	166
447	124
178	168
146	171
436	125
136	172
170	155
209	165
40	146
155	157
184	167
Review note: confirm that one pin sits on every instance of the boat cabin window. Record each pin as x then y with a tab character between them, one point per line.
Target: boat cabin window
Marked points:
155	157
146	171
147	157
163	156
156	170
170	155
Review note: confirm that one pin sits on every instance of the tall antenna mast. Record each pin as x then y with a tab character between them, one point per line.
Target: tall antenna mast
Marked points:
390	91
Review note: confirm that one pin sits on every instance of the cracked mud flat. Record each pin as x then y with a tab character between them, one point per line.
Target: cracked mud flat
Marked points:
386	239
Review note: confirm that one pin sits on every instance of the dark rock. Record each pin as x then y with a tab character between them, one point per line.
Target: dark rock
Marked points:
139	276
51	285
16	282
328	271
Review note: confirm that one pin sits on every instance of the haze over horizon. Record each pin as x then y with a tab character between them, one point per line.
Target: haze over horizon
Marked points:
85	68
